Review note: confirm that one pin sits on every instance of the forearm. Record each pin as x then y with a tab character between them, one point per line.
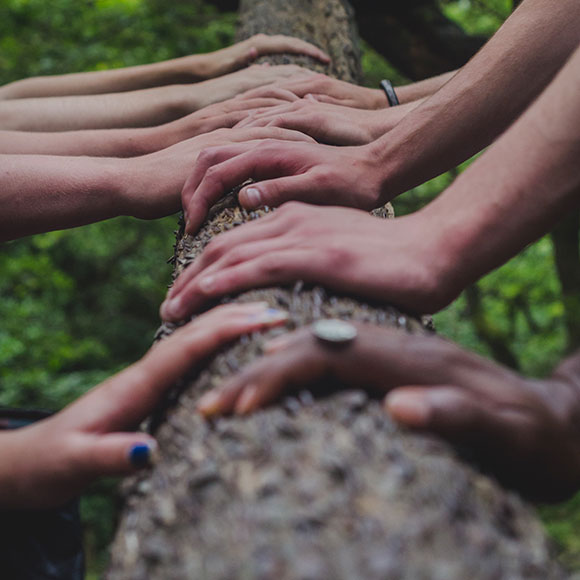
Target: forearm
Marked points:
132	109
483	98
92	143
384	120
422	89
144	108
41	193
180	70
518	189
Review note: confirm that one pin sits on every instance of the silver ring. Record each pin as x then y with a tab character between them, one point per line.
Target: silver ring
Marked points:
334	331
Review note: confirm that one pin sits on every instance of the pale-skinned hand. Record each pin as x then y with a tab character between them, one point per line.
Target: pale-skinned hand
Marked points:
525	430
222	115
151	185
313	173
327	90
330	124
51	461
239	55
397	261
231	85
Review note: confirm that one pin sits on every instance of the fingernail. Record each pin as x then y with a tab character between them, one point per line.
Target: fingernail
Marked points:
276	344
269	315
142	454
206	284
253	196
209	404
412	409
247	400
171	308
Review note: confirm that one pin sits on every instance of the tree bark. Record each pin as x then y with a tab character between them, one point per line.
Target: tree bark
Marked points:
312	488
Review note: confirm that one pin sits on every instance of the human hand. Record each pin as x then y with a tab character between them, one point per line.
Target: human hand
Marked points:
231	85
401	261
50	462
222	115
151	185
243	53
319	174
331	124
326	89
525	430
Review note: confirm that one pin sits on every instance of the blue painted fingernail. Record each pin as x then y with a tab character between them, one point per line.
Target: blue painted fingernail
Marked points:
141	455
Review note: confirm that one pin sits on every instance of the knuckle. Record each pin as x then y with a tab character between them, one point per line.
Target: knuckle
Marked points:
271	266
213	176
206	156
324	178
337	256
293	211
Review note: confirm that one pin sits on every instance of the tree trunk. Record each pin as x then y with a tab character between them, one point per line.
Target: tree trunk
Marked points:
312	488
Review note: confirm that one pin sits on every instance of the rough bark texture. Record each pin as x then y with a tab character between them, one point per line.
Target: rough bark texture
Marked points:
312	488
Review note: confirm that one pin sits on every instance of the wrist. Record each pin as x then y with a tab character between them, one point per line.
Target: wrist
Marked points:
376	99
130	177
194	68
442	251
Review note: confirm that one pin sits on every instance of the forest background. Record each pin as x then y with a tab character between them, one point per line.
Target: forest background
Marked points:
77	306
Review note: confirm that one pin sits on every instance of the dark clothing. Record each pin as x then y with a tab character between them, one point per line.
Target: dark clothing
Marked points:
39	544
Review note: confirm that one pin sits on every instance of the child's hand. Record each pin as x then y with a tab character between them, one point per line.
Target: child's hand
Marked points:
49	462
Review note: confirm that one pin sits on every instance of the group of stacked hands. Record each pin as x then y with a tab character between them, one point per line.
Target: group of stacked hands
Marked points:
146	142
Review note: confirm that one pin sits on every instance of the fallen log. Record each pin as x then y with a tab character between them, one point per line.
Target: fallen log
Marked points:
312	488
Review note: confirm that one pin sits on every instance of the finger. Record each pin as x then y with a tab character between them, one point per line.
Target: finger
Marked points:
196	212
454	413
285	44
266	227
125	399
278	267
275	192
267	379
183	302
114	454
321	98
279	109
261	133
269	92
219	177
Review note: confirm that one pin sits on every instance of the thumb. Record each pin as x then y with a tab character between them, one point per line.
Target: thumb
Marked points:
275	192
116	454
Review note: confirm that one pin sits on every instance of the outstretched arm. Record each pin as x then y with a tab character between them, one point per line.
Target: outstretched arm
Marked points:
526	430
40	193
514	193
142	108
187	69
48	463
136	141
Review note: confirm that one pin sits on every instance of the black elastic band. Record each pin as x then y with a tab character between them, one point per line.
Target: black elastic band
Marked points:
387	86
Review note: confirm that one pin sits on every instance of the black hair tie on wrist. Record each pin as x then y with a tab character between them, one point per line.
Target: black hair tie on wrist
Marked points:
387	86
